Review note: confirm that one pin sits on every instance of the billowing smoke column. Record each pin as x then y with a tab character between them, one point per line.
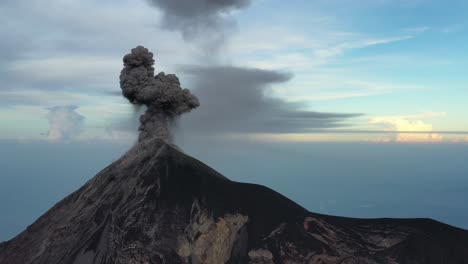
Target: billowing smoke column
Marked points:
161	94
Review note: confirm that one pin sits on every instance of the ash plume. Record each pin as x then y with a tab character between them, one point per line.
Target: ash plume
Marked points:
238	100
206	21
194	16
161	94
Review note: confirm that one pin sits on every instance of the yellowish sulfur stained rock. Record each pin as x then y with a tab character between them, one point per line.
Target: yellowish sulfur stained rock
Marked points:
209	241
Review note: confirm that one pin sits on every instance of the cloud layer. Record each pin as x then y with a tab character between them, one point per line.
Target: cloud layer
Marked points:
237	100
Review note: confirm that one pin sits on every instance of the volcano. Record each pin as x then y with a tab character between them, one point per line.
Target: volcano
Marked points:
158	205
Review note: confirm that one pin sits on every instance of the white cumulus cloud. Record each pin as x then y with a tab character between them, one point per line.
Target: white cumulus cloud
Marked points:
408	128
64	123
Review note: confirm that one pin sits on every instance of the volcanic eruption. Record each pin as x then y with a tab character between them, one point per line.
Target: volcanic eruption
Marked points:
157	205
161	94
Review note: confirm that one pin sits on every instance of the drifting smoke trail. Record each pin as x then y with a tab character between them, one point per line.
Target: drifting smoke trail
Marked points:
206	23
194	18
161	94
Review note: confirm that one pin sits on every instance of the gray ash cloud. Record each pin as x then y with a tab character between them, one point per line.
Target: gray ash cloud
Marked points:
194	16
206	21
238	100
161	94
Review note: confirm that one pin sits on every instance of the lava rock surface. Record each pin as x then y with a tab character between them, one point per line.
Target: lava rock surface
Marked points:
158	205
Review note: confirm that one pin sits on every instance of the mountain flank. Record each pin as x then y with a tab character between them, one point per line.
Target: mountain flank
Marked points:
158	205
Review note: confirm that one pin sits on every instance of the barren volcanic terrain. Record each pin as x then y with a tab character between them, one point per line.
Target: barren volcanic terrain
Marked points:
158	205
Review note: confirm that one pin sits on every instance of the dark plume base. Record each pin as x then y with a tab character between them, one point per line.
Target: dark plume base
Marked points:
158	205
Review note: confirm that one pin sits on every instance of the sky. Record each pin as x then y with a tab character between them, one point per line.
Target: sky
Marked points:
336	77
392	65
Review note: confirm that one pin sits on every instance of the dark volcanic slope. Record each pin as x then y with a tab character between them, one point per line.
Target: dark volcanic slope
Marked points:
158	205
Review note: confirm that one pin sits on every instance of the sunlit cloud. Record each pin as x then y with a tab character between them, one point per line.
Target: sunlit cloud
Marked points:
354	136
410	129
401	124
416	137
302	137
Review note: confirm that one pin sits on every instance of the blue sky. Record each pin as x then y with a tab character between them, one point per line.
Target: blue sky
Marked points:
388	77
399	63
382	58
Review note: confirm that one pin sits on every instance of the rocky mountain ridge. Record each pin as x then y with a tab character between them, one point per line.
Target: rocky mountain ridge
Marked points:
158	205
